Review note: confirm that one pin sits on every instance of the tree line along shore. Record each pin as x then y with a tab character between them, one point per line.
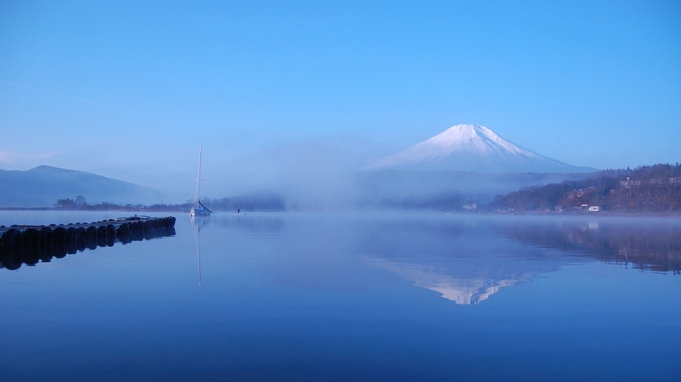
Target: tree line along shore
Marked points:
645	189
654	188
244	203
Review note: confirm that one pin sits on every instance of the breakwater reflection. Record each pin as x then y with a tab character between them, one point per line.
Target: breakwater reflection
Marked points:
33	244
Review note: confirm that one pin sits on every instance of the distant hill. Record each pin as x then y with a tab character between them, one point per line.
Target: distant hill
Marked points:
44	185
646	188
471	148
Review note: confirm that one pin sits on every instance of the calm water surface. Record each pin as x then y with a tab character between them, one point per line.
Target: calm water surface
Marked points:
352	297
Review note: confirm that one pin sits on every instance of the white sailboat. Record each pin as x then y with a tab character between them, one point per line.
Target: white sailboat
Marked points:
199	209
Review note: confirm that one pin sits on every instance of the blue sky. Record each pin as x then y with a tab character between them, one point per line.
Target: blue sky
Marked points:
131	89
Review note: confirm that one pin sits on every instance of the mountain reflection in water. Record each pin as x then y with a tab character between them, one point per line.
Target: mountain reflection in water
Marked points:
462	259
345	297
467	260
460	289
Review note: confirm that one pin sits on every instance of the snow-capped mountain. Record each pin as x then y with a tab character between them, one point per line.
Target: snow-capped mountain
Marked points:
472	148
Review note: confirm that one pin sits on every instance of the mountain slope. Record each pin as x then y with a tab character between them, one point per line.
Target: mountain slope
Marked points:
43	185
472	148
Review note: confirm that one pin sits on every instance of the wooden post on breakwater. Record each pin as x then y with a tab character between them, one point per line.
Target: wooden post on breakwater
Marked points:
31	244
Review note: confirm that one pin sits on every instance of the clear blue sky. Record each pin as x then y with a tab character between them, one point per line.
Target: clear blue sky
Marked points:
131	89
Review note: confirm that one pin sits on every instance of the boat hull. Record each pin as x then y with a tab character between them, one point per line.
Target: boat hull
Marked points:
197	211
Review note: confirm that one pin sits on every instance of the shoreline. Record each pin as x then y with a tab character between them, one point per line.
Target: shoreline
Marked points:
493	213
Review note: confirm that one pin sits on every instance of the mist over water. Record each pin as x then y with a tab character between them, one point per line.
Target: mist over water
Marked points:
342	296
353	153
315	176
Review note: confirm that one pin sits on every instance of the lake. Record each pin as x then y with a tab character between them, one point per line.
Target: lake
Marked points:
326	297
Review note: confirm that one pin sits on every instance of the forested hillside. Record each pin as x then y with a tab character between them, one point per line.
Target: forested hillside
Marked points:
646	188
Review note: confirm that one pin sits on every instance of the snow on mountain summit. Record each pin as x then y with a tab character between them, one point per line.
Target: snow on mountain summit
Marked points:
470	148
470	138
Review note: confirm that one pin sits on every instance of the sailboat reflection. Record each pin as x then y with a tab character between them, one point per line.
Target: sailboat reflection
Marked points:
198	224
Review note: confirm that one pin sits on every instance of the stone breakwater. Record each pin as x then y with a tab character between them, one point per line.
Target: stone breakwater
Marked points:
32	244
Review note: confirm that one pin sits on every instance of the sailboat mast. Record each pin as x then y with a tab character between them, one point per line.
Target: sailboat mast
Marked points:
197	196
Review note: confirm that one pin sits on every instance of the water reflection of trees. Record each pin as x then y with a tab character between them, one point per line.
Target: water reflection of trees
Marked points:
646	246
468	259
